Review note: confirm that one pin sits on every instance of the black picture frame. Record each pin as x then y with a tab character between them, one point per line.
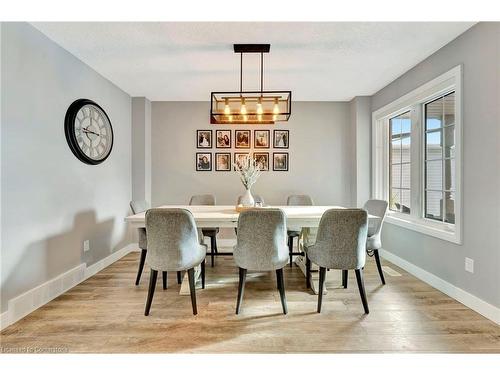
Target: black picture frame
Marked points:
287	162
265	154
275	141
227	131
197	165
249	137
228	159
235	157
198	135
255	134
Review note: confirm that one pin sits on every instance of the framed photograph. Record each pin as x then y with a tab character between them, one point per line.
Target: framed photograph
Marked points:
261	138
223	138
281	138
242	138
262	159
238	158
203	139
223	161
280	161
203	161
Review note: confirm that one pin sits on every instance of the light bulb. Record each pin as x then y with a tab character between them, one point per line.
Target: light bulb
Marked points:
259	117
227	110
230	118
243	109
276	109
275	117
245	118
259	107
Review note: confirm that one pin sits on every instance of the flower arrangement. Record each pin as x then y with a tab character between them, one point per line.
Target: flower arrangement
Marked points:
249	171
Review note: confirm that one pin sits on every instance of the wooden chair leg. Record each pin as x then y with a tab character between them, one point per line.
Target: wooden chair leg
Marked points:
308	272
361	286
212	250
192	289
281	288
290	249
379	266
203	274
141	266
179	277
345	277
322	273
164	275
151	291
241	289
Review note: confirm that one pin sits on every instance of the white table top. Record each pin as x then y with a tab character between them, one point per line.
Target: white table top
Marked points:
226	216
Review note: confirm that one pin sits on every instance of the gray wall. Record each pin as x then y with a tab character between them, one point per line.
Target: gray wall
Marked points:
478	50
51	201
323	171
141	149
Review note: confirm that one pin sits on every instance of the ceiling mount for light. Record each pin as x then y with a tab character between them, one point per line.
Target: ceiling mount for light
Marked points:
250	107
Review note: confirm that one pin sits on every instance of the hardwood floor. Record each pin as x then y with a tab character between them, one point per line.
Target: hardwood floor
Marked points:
106	314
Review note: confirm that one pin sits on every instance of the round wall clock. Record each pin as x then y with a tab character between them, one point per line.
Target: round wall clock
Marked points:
88	131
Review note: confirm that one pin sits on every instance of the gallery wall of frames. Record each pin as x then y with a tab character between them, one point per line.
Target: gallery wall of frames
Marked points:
220	150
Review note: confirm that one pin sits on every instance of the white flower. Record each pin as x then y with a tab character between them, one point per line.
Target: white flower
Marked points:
249	171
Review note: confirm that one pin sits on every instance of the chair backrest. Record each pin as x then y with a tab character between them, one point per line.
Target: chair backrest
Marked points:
256	197
172	239
378	208
261	243
341	239
202	200
139	206
299	200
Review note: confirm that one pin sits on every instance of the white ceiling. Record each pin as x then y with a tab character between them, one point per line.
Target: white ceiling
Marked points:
317	61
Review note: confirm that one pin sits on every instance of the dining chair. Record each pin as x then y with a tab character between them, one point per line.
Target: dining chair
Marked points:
296	200
340	245
173	246
377	208
207	200
261	246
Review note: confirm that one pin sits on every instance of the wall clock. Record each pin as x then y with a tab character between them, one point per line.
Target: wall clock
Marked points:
88	131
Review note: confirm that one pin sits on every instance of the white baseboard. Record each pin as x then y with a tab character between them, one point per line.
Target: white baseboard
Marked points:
35	298
482	307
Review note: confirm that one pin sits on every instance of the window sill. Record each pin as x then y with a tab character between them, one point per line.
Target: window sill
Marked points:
435	229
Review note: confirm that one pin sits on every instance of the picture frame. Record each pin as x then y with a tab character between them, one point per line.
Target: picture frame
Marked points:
237	156
280	161
261	138
223	138
262	158
202	164
242	138
281	138
223	161
204	139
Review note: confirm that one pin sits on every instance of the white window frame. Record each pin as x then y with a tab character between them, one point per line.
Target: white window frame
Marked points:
414	102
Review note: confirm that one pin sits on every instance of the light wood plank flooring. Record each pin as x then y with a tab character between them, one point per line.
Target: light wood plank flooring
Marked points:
106	314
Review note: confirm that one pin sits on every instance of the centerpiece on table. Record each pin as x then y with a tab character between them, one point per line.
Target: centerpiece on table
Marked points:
249	172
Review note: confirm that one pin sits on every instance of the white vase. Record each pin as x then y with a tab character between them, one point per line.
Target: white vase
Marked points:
247	199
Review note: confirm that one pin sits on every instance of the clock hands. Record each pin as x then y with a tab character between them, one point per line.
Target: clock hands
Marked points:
85	130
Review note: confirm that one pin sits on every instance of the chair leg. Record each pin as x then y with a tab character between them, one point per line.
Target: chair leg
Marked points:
345	275
241	289
203	274
152	284
192	289
361	286
308	272
281	288
179	277
164	275
322	273
212	249
141	266
290	249
379	266
215	244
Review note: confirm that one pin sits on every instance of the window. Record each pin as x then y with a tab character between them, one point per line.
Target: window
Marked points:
417	158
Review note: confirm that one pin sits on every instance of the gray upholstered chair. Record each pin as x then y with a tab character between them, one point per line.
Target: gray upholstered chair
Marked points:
296	200
261	246
378	208
340	244
173	246
207	200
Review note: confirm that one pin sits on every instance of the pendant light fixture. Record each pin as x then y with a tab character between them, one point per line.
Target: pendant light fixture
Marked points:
250	107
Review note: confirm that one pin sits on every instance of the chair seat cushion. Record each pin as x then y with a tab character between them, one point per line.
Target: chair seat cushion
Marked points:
373	243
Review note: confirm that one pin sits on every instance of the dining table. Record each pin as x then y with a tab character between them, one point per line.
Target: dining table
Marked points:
226	216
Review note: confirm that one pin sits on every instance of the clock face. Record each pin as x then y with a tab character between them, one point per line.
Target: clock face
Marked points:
88	131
